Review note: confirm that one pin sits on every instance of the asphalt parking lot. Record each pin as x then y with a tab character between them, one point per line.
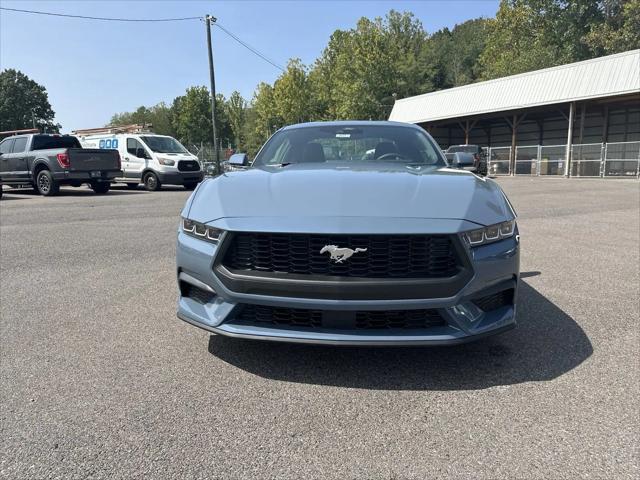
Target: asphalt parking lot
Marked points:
99	378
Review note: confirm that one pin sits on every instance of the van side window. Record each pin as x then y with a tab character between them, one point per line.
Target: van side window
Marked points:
5	146
19	145
133	145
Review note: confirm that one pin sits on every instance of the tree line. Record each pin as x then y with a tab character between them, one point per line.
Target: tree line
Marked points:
362	70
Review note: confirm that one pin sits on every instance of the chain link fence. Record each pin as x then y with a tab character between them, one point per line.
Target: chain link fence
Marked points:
499	161
586	160
552	159
614	159
621	159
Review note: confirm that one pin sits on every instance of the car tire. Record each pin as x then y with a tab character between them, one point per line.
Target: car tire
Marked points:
46	185
100	187
151	182
190	185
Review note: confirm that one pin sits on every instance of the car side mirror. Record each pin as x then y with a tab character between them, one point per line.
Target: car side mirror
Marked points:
238	160
463	160
141	153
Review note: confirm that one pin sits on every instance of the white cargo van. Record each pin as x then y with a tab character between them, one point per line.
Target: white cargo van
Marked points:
150	159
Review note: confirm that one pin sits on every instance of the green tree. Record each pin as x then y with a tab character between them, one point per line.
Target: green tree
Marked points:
453	55
291	94
620	30
236	113
532	34
21	101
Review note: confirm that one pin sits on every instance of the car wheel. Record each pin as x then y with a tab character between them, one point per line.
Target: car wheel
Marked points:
46	184
151	182
100	187
132	186
190	185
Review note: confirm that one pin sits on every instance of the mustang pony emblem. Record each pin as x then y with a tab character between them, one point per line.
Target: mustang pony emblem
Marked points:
339	255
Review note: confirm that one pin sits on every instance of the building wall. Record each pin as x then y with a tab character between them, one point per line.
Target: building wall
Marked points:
549	127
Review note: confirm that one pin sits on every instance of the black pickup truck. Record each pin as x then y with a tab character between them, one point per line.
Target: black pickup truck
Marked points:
48	161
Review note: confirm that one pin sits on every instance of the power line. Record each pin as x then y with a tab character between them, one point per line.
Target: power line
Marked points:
105	19
111	19
249	47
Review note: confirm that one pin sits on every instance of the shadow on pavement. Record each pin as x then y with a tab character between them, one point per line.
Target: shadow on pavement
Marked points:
546	344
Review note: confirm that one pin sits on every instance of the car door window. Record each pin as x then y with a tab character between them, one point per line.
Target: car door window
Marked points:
19	145
133	145
5	146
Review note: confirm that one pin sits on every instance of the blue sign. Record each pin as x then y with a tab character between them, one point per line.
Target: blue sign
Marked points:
108	143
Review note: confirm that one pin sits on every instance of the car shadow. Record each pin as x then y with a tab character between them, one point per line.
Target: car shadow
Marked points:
546	344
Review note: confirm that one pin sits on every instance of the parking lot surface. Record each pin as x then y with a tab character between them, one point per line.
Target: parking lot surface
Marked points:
99	378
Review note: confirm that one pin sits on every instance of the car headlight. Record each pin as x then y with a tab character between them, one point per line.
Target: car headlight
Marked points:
166	161
490	234
201	231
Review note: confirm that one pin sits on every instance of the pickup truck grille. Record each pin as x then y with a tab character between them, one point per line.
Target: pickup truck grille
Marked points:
386	256
275	317
188	166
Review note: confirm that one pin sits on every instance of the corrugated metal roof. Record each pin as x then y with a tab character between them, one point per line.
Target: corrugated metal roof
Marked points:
617	74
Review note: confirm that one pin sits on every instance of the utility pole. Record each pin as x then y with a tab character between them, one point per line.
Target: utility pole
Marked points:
208	21
33	118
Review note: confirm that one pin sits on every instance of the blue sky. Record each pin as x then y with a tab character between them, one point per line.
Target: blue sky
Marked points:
93	69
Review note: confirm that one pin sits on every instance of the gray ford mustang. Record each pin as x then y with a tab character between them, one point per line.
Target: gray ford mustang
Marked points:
349	233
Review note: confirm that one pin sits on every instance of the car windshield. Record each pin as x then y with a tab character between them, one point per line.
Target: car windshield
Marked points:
163	144
351	144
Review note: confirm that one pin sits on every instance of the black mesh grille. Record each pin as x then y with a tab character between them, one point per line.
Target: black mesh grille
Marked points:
399	319
188	166
364	320
495	300
280	316
386	256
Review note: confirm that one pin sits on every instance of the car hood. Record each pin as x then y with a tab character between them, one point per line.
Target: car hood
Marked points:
316	193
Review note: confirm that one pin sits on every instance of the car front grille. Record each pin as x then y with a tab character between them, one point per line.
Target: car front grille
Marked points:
259	315
188	166
386	256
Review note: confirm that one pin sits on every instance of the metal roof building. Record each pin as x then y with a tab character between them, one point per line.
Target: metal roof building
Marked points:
594	102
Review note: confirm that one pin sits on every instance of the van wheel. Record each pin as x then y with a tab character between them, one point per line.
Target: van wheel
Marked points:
46	184
100	187
132	186
151	182
190	185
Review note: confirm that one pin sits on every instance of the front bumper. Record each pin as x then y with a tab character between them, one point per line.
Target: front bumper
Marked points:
86	176
180	178
495	268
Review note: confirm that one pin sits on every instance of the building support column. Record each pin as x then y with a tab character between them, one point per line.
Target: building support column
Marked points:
567	166
514	133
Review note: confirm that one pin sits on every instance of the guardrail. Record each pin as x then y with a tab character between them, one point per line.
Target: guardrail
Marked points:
595	160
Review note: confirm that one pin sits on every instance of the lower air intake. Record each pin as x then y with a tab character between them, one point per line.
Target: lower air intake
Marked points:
339	320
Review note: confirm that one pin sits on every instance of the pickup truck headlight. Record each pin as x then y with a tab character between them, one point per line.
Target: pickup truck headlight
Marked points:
201	231
166	161
490	234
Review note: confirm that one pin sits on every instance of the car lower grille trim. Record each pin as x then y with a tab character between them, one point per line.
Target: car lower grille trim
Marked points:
284	317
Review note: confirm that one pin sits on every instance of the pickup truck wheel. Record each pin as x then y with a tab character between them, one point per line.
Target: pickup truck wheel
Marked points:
191	185
100	187
132	186
151	182
46	184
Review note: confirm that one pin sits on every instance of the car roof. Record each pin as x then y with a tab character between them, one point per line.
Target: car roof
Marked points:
351	123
